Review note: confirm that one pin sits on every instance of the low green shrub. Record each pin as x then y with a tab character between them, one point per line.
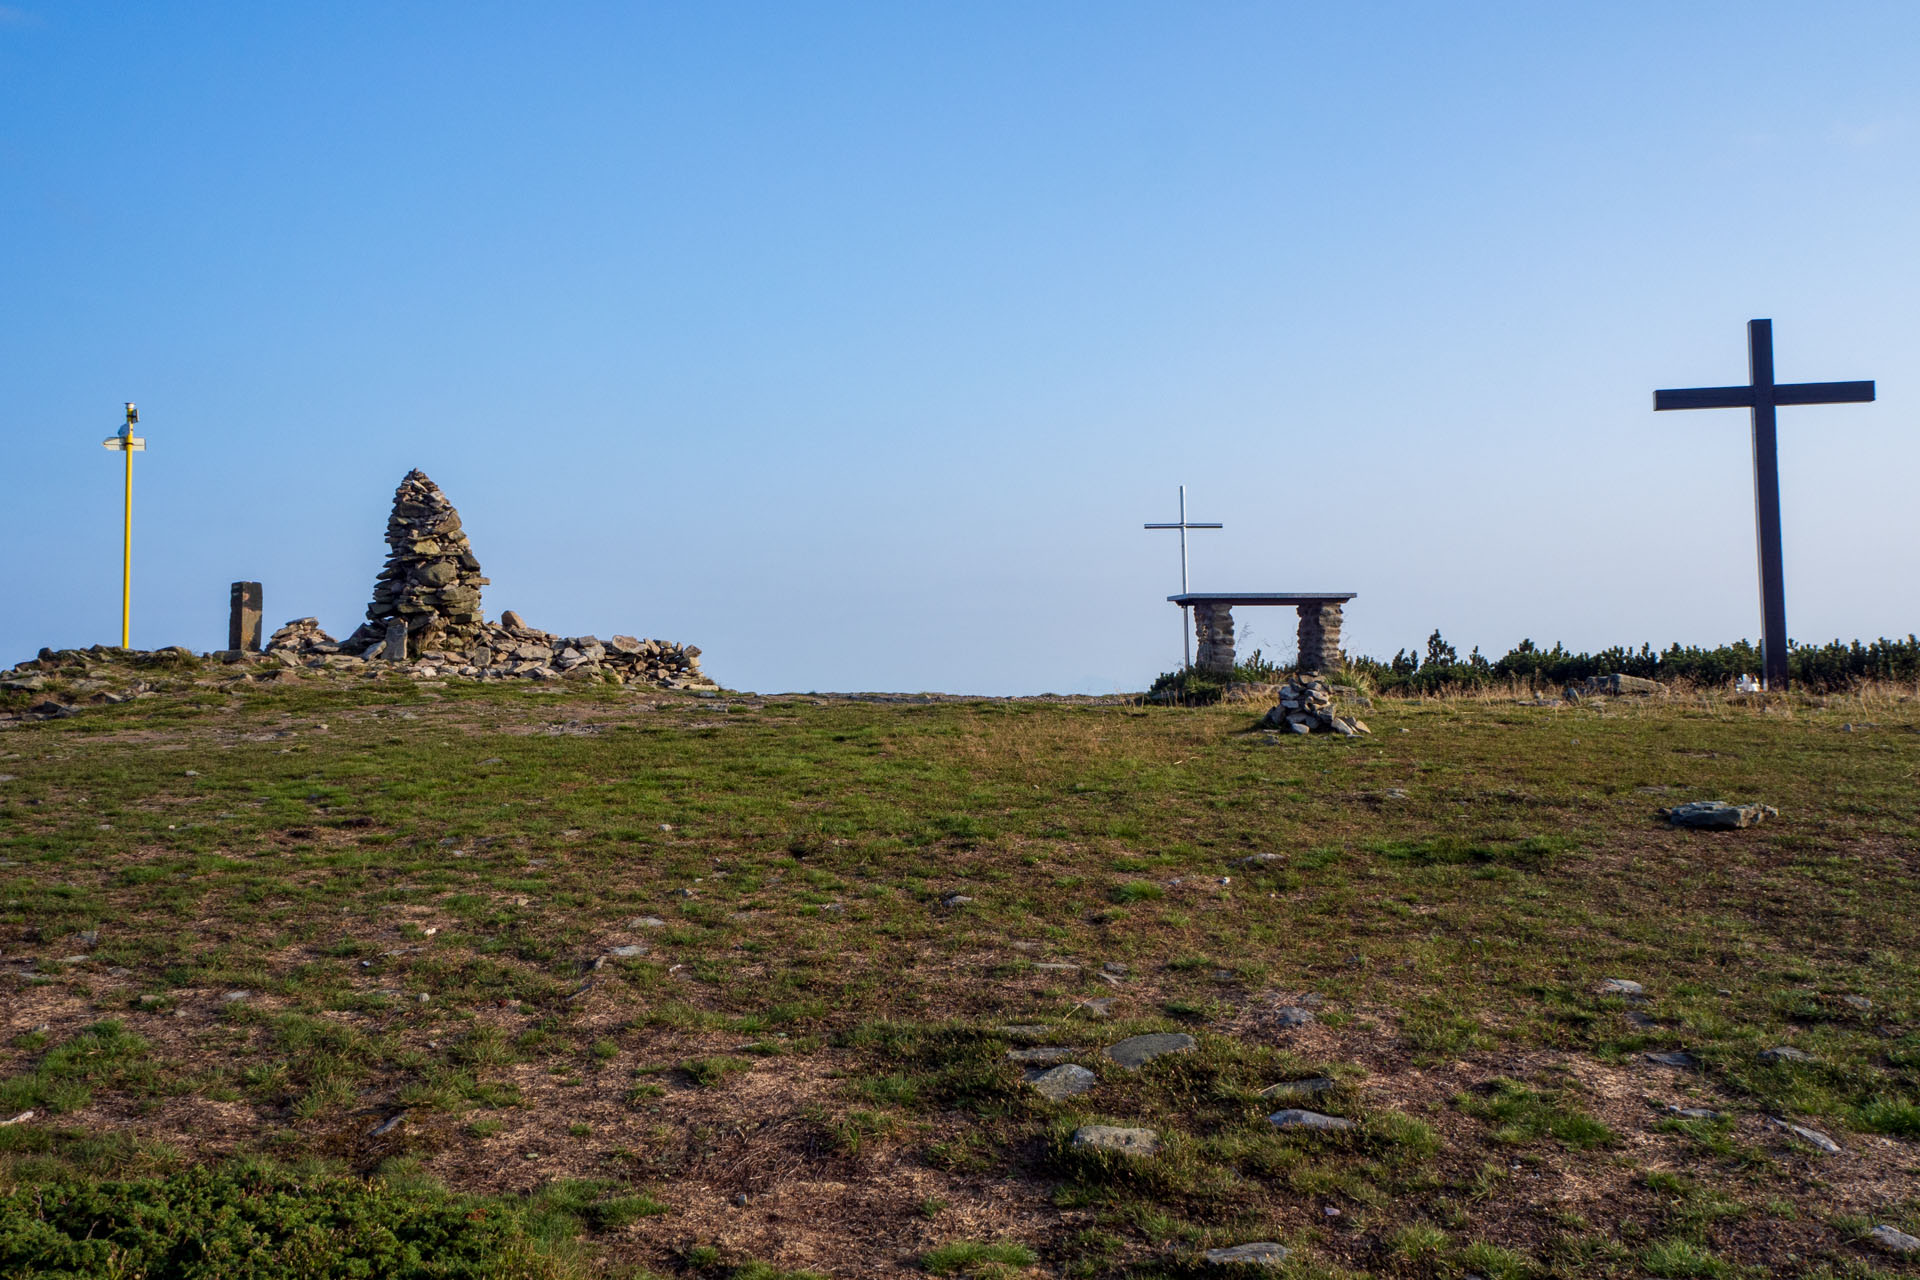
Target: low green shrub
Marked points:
240	1222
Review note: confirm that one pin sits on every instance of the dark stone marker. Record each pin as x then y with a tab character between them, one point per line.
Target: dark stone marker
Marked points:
243	617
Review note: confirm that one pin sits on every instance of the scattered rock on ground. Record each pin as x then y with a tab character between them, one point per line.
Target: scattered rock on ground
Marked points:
1295	1118
1718	815
1069	1081
1107	1137
1786	1053
1292	1015
1260	1253
1812	1137
1137	1051
1673	1058
1621	987
1894	1240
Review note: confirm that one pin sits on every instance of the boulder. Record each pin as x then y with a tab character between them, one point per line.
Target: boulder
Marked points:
1261	1253
1295	1118
1137	1051
1062	1082
1718	815
1107	1137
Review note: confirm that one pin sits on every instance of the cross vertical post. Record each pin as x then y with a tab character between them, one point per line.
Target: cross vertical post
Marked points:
1186	638
1766	506
1763	395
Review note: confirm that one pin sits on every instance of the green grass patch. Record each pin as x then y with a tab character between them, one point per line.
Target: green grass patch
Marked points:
1520	1115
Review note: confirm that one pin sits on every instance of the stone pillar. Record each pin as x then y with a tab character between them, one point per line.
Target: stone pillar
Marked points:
1213	629
1320	637
396	650
243	617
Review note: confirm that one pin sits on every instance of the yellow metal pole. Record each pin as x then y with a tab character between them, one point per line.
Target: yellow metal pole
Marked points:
129	444
126	560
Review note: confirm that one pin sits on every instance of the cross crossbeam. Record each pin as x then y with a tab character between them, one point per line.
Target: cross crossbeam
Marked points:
1763	395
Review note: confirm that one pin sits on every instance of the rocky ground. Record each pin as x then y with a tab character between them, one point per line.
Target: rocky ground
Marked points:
711	984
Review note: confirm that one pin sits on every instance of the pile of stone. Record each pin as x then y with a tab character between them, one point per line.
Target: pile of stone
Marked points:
508	649
1615	686
426	616
301	636
512	648
1306	706
428	596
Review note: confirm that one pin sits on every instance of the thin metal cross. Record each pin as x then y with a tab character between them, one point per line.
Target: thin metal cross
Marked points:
1186	642
1763	395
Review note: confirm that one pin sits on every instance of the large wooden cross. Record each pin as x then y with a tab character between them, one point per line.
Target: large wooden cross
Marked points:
1763	395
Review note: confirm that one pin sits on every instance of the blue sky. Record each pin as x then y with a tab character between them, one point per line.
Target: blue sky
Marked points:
854	343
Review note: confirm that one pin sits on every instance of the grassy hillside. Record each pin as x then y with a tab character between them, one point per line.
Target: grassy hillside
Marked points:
478	980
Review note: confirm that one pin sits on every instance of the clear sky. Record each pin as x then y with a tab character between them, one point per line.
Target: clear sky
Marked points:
854	343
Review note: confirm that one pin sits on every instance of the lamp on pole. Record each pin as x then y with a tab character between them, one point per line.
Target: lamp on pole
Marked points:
128	444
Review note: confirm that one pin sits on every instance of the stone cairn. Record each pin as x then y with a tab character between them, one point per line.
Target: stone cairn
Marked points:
426	617
302	635
428	596
1306	706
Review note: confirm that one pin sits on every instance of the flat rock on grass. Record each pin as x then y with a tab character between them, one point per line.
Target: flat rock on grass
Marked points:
1812	1137
1674	1058
1894	1240
1068	1081
1294	1118
1263	1253
1786	1053
1107	1137
1292	1015
1718	815
1137	1051
1621	987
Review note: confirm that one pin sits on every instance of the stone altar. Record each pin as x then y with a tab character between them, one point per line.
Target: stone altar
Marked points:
1213	625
